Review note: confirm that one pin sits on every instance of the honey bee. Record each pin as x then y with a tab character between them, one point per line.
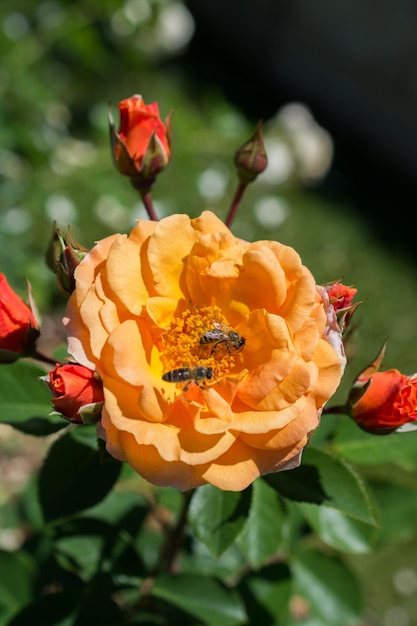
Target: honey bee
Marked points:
222	333
197	375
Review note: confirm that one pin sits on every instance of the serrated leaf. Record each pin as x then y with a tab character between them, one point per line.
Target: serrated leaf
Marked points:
329	588
262	534
217	517
345	489
72	477
362	448
203	597
25	402
338	530
301	484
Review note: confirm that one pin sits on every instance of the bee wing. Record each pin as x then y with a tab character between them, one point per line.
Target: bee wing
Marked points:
221	326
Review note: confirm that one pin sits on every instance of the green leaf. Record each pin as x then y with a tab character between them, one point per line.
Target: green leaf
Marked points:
121	504
338	530
217	517
51	610
262	534
362	448
85	545
301	484
16	582
25	402
329	588
67	609
267	595
203	597
345	489
398	507
200	560
80	554
72	477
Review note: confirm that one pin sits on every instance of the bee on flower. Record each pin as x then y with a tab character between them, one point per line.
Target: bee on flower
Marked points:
223	334
197	375
142	307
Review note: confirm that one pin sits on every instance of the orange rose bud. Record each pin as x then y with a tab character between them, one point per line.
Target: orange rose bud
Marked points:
63	256
19	328
389	401
382	402
142	147
77	393
251	158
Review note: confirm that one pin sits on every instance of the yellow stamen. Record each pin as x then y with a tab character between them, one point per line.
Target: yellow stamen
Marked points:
181	345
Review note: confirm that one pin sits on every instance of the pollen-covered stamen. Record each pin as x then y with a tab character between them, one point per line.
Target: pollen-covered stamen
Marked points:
181	345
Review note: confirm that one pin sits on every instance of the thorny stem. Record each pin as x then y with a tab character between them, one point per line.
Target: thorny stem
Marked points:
148	204
235	203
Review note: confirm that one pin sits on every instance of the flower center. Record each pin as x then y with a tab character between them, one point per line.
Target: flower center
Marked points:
186	343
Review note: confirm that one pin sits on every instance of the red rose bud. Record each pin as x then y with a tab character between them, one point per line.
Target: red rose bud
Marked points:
77	393
142	147
63	255
341	296
19	328
251	158
382	402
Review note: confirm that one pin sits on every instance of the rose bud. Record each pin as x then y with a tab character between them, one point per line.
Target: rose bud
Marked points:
19	327
77	393
341	296
142	147
251	159
63	255
383	402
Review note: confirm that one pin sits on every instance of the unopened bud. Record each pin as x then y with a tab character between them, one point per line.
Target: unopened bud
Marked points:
141	149
63	255
19	324
77	393
251	159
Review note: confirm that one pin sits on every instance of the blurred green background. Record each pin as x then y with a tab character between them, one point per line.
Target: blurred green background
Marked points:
63	64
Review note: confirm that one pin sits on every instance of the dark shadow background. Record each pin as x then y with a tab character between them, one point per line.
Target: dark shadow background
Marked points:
353	64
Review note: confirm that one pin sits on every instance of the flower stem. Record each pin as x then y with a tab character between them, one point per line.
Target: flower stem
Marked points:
235	203
340	410
42	357
173	542
148	204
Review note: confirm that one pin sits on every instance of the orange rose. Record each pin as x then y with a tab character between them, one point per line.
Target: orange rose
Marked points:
143	314
141	148
77	392
19	328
